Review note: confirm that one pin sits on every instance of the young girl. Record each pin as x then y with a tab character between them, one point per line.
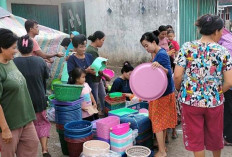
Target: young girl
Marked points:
89	105
35	71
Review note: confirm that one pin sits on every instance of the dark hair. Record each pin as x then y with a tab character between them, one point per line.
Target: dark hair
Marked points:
169	26
75	74
7	38
160	29
25	44
150	36
126	67
30	24
96	35
78	40
65	42
171	31
208	24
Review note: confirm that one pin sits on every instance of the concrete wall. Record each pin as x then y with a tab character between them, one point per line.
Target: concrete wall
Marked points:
126	24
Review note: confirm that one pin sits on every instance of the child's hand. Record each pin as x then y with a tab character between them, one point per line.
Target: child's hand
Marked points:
84	109
95	105
156	65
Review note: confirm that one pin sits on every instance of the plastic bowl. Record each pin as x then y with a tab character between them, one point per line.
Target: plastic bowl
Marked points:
95	148
120	129
115	94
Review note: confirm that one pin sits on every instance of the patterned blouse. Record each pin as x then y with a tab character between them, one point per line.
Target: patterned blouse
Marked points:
203	77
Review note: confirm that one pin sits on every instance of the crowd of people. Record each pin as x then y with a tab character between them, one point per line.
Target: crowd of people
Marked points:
198	75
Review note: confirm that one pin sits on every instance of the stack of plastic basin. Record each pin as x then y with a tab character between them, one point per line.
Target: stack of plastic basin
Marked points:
66	112
119	143
143	124
76	133
103	127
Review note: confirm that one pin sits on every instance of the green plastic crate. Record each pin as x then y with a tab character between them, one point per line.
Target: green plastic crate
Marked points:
67	92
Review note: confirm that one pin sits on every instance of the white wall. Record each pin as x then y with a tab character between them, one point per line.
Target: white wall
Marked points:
126	24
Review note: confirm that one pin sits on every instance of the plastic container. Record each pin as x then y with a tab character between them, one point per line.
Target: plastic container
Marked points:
122	112
115	100
63	143
95	147
99	64
148	83
103	126
79	127
102	139
73	136
115	106
108	72
50	98
139	105
68	116
120	129
67	104
123	140
115	94
67	92
138	151
121	150
75	148
55	81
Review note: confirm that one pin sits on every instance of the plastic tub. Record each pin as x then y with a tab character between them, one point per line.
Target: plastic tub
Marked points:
138	151
109	73
120	129
121	145
79	127
122	112
120	140
73	136
121	136
95	147
115	94
121	150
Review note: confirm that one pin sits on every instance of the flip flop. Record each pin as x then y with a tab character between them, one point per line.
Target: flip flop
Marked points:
46	155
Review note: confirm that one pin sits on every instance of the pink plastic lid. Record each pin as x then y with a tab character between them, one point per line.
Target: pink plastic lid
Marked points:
148	83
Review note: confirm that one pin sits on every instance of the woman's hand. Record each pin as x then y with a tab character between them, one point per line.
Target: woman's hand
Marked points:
60	54
6	136
171	52
84	109
156	65
90	70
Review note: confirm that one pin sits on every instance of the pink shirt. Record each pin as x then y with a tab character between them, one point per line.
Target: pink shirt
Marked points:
35	46
164	44
87	99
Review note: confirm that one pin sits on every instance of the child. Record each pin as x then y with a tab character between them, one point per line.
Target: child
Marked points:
172	43
89	105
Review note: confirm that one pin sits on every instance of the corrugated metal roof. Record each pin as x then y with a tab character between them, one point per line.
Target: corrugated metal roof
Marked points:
4	13
225	2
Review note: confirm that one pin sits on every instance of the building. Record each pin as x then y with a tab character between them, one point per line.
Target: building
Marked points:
123	21
225	12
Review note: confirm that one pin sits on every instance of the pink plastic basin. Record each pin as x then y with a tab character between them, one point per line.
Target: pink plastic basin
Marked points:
108	72
120	129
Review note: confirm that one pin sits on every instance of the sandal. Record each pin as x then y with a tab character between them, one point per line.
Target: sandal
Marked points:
227	144
46	155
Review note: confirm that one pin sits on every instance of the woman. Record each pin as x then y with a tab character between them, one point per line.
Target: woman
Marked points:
162	111
121	84
18	135
163	42
202	74
35	71
97	85
80	59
